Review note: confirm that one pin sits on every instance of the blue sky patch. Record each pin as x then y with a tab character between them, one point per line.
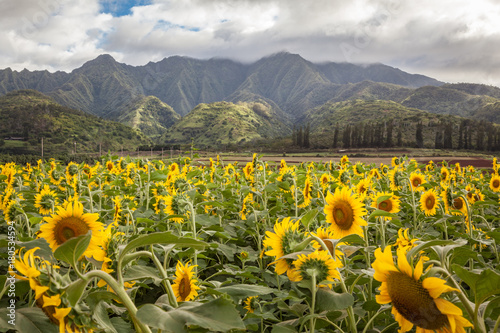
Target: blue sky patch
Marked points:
119	8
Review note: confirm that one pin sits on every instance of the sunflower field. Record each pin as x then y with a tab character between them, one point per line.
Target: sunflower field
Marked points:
136	245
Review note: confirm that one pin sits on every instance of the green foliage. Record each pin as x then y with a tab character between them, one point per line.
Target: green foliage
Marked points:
224	123
30	115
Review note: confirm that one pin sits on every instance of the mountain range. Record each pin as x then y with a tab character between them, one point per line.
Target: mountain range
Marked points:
154	97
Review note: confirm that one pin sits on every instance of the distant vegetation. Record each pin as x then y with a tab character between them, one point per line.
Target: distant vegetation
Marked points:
279	101
28	116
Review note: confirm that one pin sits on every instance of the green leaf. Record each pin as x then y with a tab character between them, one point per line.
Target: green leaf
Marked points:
420	247
383	198
101	317
28	320
218	315
328	300
352	239
75	291
157	176
380	212
139	272
73	249
487	285
309	217
161	238
483	285
245	290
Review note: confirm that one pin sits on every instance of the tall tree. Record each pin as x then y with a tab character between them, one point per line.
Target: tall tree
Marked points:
306	136
388	139
400	137
336	136
300	137
346	137
419	136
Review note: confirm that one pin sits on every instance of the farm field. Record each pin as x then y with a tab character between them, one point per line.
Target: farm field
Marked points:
251	243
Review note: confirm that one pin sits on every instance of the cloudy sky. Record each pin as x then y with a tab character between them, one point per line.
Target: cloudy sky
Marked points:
450	40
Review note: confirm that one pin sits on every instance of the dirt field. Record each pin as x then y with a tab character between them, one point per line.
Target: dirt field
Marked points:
290	159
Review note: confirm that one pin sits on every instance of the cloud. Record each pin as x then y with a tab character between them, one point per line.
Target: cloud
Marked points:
452	40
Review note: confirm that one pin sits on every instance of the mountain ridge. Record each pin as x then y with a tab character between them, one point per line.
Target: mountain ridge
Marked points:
103	85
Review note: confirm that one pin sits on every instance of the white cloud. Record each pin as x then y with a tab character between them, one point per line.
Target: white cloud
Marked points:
450	40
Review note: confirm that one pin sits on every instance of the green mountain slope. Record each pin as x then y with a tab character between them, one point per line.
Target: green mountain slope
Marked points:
373	116
30	115
148	114
99	87
223	123
447	100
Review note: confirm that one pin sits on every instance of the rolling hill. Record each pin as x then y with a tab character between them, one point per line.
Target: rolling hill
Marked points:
223	123
30	115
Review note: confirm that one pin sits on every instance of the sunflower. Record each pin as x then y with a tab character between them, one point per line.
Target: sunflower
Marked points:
429	202
282	242
416	180
404	242
320	263
46	200
70	221
358	169
325	180
363	187
445	174
185	288
307	193
429	167
395	161
26	267
251	304
395	183
244	208
344	212
374	173
326	235
415	302
344	160
495	183
71	170
386	201
458	204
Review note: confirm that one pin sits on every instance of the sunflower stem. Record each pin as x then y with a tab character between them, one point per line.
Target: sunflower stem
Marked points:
193	221
91	202
312	321
122	295
478	327
165	281
350	312
368	324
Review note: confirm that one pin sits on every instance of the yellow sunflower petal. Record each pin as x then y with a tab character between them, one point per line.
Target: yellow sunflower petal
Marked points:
403	264
436	286
447	307
404	324
419	268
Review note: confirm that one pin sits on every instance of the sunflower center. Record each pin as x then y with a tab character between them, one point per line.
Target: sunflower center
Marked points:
69	227
416	182
496	183
429	202
343	215
184	287
385	205
414	302
457	203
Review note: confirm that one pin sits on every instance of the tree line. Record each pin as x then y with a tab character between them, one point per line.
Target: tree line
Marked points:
466	134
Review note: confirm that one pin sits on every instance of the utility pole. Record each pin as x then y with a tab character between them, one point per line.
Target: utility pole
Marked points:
42	148
75	147
100	150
